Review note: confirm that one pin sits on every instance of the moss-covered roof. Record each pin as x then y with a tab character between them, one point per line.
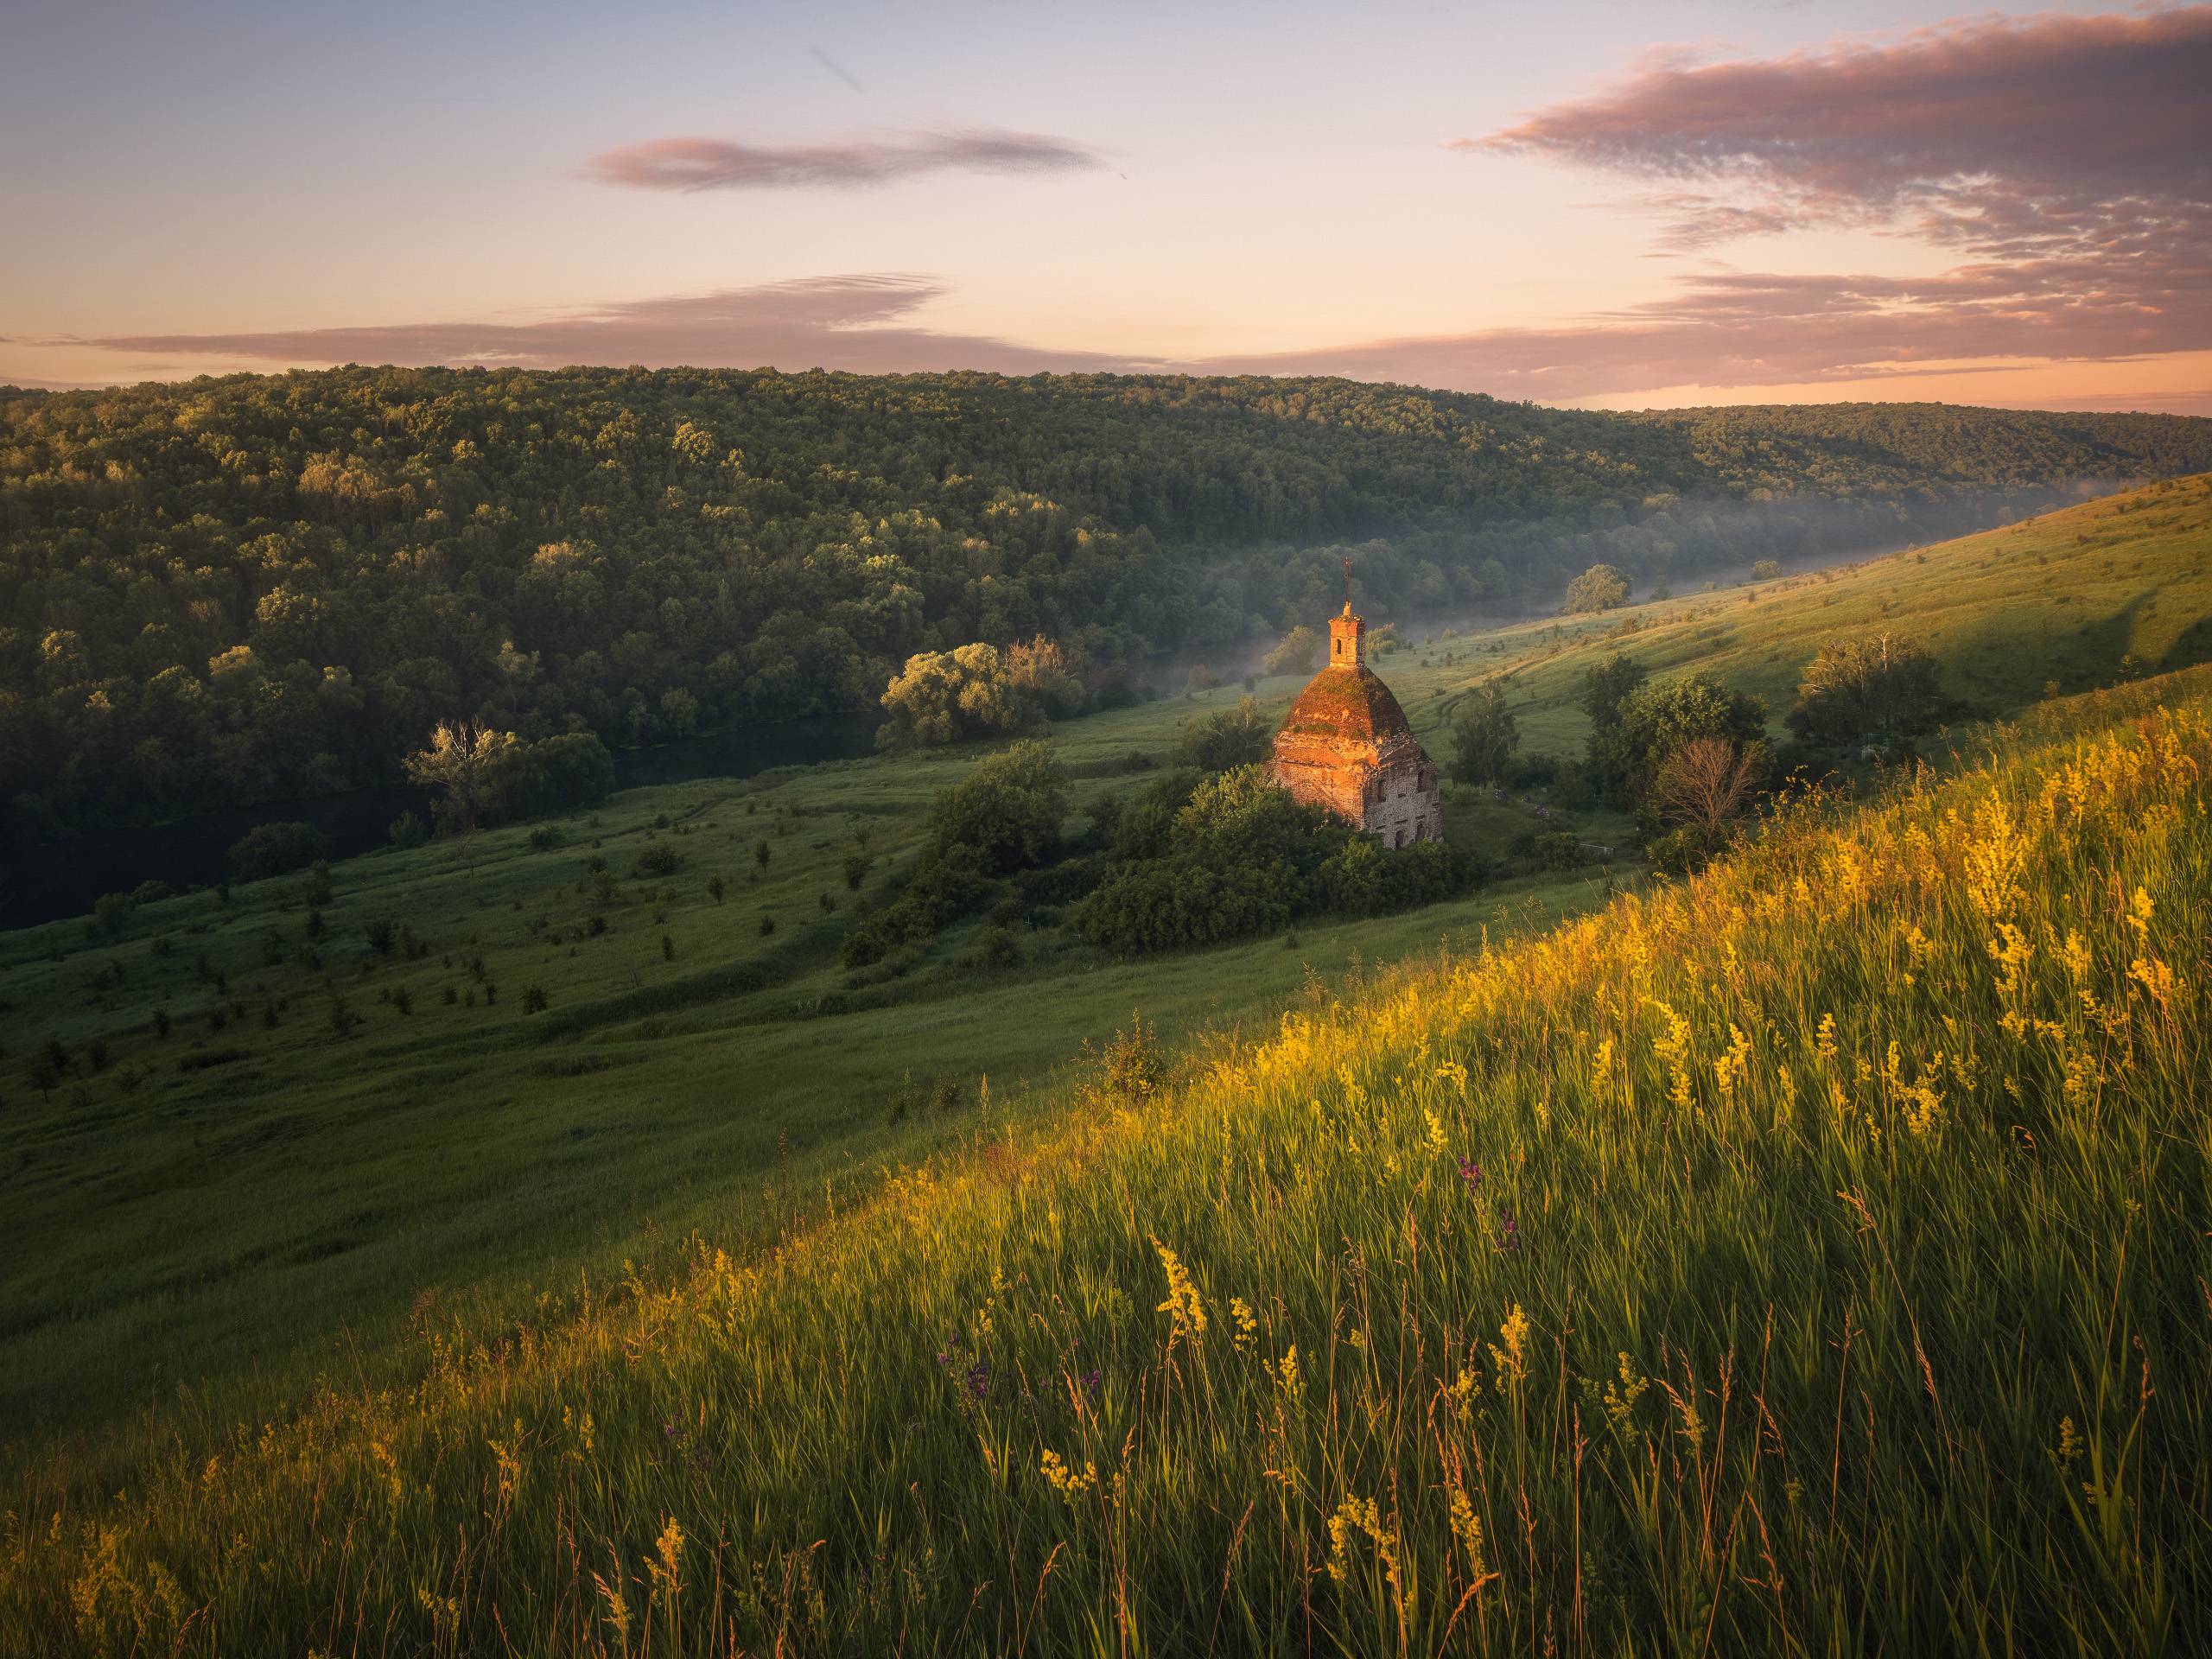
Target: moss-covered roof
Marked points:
1346	702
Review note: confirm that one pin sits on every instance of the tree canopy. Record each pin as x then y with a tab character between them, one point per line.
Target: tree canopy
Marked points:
1884	682
263	588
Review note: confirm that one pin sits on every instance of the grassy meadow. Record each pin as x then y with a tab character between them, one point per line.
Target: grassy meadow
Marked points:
209	1220
2086	596
1809	1257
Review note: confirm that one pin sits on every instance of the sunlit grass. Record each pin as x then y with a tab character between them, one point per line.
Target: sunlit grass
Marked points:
203	1240
1807	1259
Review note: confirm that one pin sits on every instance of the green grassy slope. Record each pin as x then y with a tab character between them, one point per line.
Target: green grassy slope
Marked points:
1807	1258
2085	596
233	1225
245	1225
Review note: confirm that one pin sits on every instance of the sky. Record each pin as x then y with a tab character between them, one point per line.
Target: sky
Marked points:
1610	203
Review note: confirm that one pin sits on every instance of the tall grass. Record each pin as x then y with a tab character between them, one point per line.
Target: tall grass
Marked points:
1810	1259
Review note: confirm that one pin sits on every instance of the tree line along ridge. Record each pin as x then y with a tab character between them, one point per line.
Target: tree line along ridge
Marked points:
263	588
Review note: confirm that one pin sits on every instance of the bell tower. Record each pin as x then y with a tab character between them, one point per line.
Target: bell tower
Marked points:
1346	632
1347	640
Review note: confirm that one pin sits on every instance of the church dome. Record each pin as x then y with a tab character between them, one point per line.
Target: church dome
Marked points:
1347	705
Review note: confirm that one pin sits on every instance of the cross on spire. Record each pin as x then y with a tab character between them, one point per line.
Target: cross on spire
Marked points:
1347	582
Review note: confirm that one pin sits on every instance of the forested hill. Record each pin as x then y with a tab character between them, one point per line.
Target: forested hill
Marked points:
258	587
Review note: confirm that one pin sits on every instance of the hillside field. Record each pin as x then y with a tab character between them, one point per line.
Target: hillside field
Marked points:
1808	1258
239	1206
2082	597
1789	1260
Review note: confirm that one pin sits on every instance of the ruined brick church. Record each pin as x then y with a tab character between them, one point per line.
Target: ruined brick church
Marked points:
1345	745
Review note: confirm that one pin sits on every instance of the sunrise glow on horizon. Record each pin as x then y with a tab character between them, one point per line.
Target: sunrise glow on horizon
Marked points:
1614	205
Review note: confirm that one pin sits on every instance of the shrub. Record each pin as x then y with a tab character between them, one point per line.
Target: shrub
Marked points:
1117	688
1009	808
380	936
276	850
1167	906
1685	850
1132	1067
856	869
111	912
998	948
658	859
1484	737
1765	570
1708	782
409	831
150	893
1560	850
1226	740
315	890
943	889
1296	653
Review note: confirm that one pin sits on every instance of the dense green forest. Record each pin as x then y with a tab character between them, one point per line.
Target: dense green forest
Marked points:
262	587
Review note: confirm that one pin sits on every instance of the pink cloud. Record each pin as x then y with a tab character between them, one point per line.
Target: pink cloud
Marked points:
718	164
2069	157
2006	136
837	322
2066	161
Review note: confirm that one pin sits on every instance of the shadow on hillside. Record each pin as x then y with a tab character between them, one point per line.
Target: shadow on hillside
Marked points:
2008	658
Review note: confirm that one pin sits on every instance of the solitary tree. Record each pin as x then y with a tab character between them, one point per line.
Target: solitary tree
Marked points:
1600	588
466	760
1707	783
1484	737
1296	653
1884	682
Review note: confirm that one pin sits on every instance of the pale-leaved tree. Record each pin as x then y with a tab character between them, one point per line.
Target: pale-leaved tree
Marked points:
468	761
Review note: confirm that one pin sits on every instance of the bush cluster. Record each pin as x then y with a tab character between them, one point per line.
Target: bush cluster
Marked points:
1197	859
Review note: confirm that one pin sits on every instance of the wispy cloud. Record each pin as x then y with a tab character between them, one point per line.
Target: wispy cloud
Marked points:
857	323
835	67
2003	136
2063	163
719	164
2068	158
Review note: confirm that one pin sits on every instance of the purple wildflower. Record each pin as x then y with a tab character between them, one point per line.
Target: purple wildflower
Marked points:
1090	1385
1511	1240
1470	1173
979	1380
